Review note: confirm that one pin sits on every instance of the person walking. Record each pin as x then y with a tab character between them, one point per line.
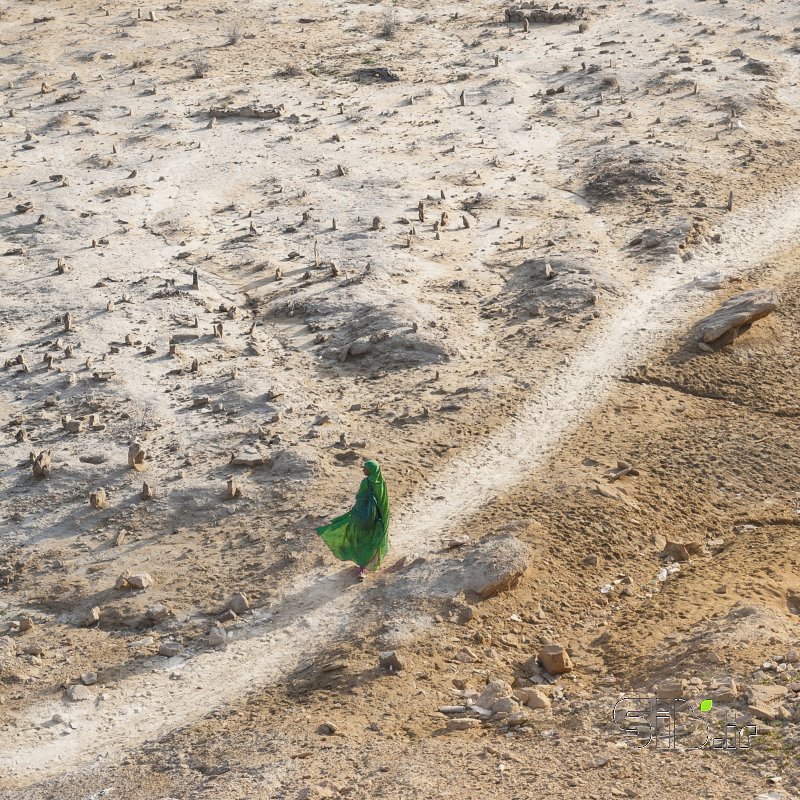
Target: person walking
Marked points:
362	534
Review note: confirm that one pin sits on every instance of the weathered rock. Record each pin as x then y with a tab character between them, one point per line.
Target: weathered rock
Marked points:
238	603
671	690
140	580
93	617
535	698
41	464
8	652
98	499
245	459
505	705
680	551
252	110
462	723
495	566
555	659
725	694
122	581
493	692
217	636
170	649
327	729
78	693
545	14
136	456
767	695
737	315
89	678
391	660
157	613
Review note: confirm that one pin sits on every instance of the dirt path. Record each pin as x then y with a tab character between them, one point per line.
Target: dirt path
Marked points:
179	691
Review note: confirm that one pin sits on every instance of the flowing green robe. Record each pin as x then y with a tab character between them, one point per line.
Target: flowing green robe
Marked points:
362	534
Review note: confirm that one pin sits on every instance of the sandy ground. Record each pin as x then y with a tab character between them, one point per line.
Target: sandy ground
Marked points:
499	351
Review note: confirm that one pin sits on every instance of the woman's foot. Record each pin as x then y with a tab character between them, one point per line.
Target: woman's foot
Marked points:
362	573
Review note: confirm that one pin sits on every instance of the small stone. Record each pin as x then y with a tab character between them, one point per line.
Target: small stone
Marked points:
217	636
536	698
390	660
505	705
590	561
78	693
25	624
767	695
492	693
157	613
555	659
89	678
238	603
327	729
671	690
170	649
141	580
462	724
93	617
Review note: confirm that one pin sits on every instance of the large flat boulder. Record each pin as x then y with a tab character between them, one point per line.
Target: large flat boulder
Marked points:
480	570
737	315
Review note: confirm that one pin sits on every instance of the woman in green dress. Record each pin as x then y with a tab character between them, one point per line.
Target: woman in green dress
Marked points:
362	534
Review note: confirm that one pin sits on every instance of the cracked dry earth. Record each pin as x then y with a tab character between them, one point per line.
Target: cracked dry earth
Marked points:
475	252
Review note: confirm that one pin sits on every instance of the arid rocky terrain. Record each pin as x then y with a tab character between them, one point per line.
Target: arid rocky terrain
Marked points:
246	246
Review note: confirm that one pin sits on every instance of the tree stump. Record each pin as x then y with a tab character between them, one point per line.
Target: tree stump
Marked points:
136	456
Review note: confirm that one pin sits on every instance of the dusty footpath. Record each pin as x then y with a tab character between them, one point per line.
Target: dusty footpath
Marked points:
244	248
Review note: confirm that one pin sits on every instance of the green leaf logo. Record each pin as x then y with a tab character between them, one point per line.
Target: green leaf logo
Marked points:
705	705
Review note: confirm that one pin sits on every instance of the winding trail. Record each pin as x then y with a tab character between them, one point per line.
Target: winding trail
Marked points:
153	703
